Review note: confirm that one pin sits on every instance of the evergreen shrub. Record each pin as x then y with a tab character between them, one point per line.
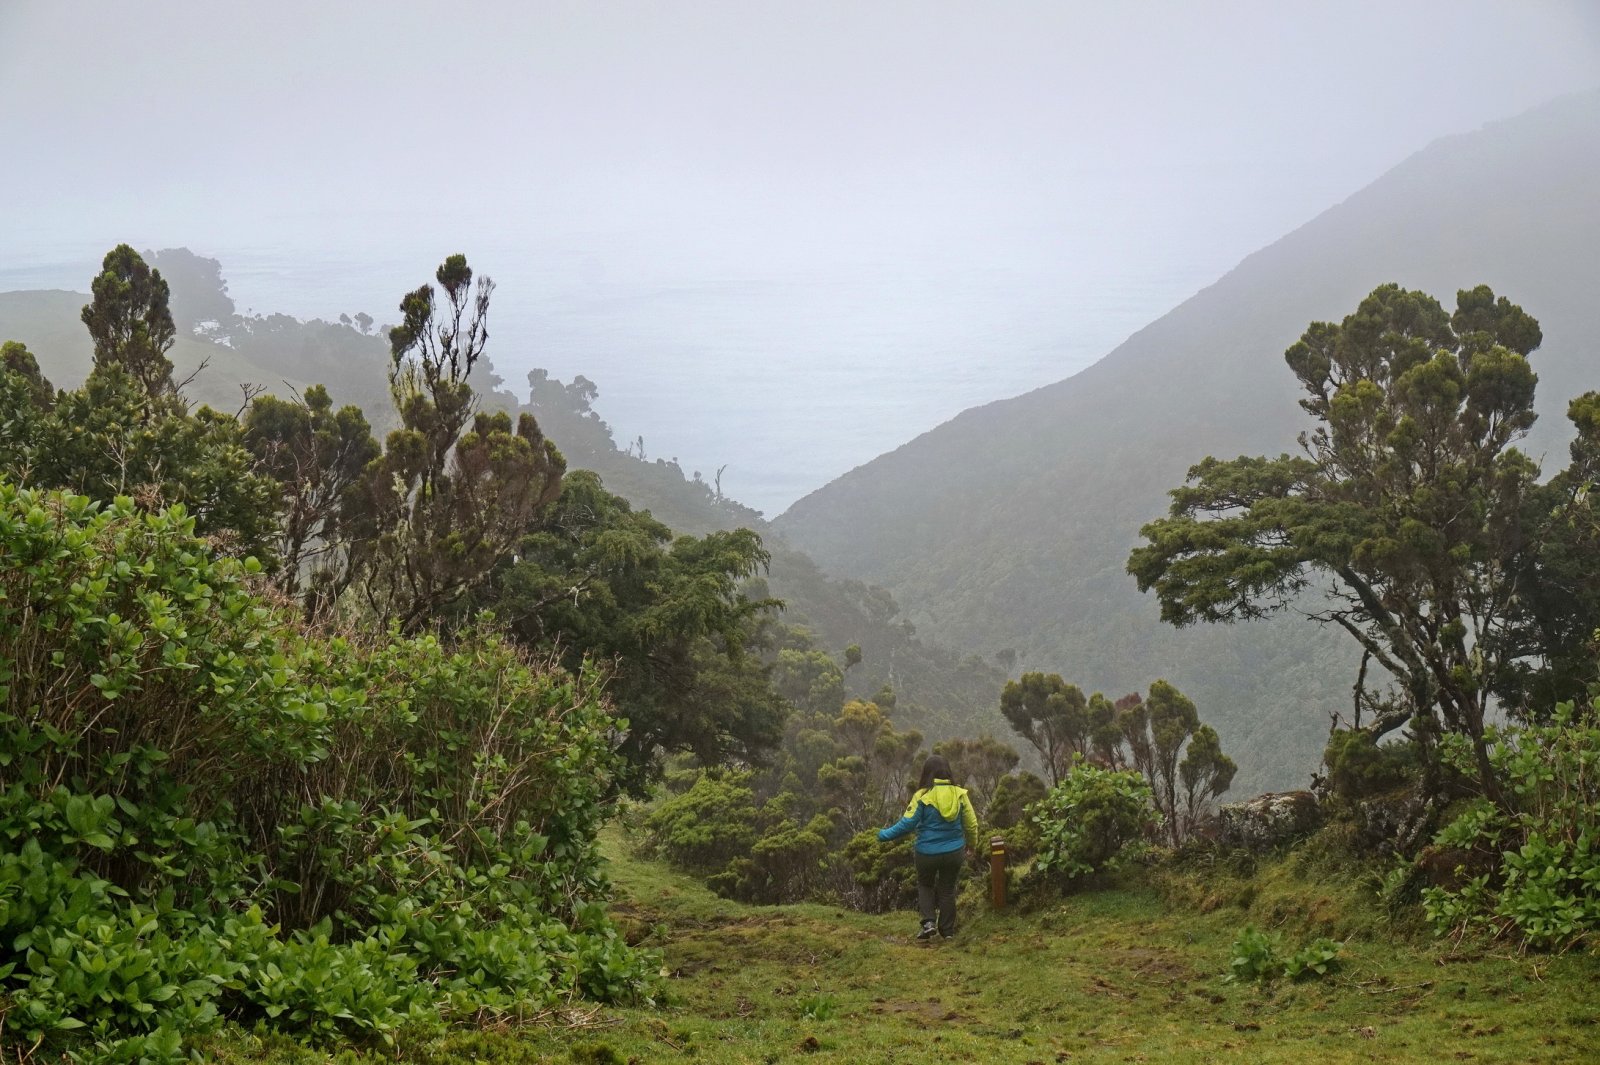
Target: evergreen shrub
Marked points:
1360	767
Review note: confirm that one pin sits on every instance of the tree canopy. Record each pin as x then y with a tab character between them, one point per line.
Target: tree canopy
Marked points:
130	321
1403	516
445	503
598	579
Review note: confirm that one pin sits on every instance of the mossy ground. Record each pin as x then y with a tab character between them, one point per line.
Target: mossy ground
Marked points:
1131	973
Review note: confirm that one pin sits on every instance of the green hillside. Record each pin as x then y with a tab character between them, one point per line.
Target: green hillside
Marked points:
942	692
1010	525
47	322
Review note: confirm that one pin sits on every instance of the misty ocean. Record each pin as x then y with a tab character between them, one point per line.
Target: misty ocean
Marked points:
788	374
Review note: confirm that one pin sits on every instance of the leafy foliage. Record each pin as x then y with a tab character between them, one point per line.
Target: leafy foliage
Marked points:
598	579
1316	959
1542	844
110	438
1093	821
210	812
709	825
25	401
1255	958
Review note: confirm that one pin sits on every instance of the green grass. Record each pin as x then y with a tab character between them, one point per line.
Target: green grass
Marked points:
1125	974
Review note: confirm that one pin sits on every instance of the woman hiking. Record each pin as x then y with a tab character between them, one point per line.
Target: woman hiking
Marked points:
942	817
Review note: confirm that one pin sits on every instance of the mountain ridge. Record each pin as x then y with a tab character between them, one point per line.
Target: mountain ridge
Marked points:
1009	524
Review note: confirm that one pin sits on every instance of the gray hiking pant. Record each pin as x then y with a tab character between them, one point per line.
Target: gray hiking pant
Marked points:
937	875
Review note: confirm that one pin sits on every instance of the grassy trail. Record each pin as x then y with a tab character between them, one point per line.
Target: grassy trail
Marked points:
1111	976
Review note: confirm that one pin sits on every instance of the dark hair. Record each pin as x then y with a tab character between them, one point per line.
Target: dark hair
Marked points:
935	768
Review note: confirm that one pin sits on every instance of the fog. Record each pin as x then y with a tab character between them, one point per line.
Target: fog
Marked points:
785	237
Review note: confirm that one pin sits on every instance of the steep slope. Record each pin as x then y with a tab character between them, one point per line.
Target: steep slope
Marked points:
1009	525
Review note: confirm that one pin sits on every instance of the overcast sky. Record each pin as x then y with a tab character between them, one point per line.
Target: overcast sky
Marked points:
1132	141
802	109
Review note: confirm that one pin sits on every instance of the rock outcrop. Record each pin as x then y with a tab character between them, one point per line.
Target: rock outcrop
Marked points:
1268	821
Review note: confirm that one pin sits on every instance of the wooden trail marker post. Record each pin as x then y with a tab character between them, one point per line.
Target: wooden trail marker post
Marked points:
997	872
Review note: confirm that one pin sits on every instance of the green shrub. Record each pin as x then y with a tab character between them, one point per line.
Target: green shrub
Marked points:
1092	821
1358	766
1316	959
1542	842
883	875
1013	795
1255	958
208	811
703	829
788	863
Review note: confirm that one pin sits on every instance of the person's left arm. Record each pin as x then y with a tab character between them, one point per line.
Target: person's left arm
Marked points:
907	823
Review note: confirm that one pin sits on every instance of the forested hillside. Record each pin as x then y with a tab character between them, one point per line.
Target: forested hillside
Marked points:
943	692
1010	525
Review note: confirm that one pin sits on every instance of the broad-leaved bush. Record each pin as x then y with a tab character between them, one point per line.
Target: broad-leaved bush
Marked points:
208	811
1542	842
1093	821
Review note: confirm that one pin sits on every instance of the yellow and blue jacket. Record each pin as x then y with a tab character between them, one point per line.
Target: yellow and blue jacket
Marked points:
941	816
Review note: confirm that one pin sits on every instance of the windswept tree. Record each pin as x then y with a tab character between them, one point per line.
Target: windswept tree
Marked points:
1133	723
456	488
1404	510
130	322
858	727
1051	715
1205	774
1173	750
128	431
318	456
1104	733
870	779
1557	629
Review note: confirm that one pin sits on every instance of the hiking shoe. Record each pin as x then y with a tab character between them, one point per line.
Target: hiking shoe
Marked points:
928	930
